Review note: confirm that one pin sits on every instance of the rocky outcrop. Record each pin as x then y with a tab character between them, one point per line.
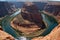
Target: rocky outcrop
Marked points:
6	8
5	36
52	8
54	35
31	12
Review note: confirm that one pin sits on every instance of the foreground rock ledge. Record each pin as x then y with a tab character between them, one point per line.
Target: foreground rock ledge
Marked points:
54	35
5	36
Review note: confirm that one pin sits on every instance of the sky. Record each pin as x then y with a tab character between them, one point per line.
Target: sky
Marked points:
54	0
29	0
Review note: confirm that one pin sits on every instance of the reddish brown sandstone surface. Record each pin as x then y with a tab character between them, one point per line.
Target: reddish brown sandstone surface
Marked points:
54	35
5	36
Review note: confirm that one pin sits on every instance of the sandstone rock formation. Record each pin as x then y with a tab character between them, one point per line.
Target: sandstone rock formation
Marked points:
52	8
54	35
31	13
5	36
6	8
